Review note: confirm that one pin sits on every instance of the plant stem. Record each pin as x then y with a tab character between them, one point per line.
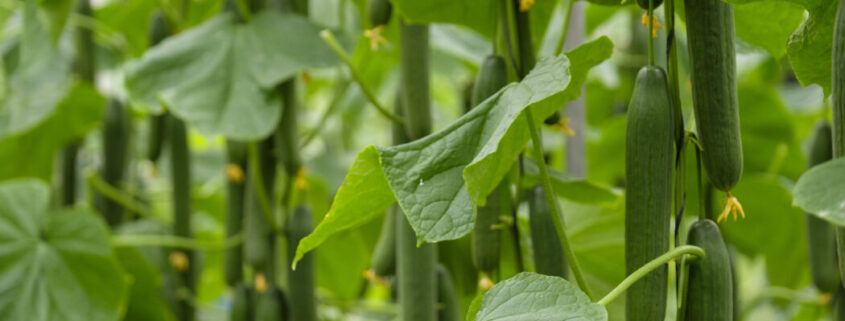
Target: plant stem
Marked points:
330	40
650	32
567	14
648	267
537	144
258	184
118	196
340	89
505	29
158	240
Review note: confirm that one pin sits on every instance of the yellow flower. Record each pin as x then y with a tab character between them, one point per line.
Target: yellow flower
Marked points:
657	25
179	261
375	37
301	181
260	283
731	206
525	5
563	127
234	173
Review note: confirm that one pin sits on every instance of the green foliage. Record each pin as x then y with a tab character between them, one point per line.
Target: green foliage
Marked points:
219	76
64	255
530	296
820	191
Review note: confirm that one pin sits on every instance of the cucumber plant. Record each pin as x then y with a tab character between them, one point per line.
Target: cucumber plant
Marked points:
821	238
710	288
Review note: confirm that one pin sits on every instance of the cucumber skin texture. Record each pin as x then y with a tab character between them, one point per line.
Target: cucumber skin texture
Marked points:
158	31
447	296
384	254
548	254
117	127
259	238
180	165
644	4
710	32
492	76
838	74
649	163
271	306
821	237
241	303
301	281
710	287
233	256
379	12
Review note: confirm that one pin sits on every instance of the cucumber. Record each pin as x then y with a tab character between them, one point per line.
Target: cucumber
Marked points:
241	303
271	306
492	76
116	130
259	237
644	4
301	281
384	254
158	31
415	266
180	169
821	236
837	305
447	296
233	256
838	99
548	254
710	32
379	12
710	285
649	161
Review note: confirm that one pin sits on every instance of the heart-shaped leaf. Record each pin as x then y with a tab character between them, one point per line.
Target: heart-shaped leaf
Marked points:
530	296
821	191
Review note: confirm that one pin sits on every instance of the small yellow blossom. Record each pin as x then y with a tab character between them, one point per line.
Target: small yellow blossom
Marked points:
731	206
563	127
375	37
525	5
179	261
657	25
234	173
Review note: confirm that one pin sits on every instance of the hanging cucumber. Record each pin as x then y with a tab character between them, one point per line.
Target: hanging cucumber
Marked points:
116	130
492	76
710	288
710	30
258	234
548	254
649	160
447	296
821	237
286	134
271	306
180	169
235	188
158	31
415	265
241	303
644	4
838	100
301	281
379	12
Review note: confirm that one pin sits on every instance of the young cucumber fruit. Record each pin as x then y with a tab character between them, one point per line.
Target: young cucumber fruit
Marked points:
159	30
271	306
384	254
116	130
235	190
649	160
710	284
710	32
492	76
821	237
379	12
241	303
548	254
644	4
838	99
301	280
447	296
258	235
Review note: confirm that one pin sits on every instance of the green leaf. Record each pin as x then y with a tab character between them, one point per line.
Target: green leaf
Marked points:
479	147
810	46
145	302
79	112
40	80
57	265
575	189
479	15
531	296
220	75
821	191
771	33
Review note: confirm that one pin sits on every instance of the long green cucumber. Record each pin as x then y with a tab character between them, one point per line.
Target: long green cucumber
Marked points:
838	99
710	283
242	303
821	236
301	281
235	189
180	168
837	305
158	31
384	254
271	306
415	265
447	296
492	76
644	4
710	32
649	160
379	12
548	254
116	131
259	237
286	134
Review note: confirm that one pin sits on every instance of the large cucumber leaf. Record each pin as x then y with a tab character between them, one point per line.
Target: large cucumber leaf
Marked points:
821	191
531	296
57	264
39	82
220	75
810	46
459	165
